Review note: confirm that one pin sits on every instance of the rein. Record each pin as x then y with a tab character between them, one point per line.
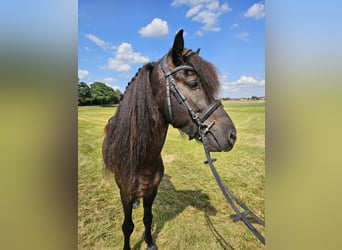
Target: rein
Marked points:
228	194
171	87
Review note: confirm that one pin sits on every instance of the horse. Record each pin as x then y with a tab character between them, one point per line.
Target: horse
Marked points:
180	89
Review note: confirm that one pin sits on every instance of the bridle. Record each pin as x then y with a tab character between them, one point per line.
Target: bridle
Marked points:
172	87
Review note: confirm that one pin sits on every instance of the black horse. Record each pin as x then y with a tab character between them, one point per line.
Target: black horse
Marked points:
180	90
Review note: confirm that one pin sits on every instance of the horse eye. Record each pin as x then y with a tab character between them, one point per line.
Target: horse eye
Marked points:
194	84
189	73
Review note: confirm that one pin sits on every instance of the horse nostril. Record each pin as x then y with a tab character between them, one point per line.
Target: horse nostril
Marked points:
232	137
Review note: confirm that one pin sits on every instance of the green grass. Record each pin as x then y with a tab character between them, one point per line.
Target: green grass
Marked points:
190	211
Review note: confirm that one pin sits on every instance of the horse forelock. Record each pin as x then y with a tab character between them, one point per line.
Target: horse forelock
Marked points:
205	70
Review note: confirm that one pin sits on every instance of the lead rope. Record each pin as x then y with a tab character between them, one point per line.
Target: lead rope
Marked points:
229	195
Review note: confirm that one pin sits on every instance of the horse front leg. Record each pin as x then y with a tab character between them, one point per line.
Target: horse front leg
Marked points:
148	217
128	225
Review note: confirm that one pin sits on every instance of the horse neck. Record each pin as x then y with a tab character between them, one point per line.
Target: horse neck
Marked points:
159	138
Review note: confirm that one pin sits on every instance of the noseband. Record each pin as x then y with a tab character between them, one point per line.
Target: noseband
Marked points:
171	86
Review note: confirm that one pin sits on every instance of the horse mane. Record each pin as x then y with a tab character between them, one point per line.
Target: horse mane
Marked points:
130	130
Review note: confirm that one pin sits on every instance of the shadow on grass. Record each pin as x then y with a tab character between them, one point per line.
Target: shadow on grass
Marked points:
225	245
170	202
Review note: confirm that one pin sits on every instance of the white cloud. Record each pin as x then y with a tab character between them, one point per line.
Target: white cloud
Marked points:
156	29
246	80
245	86
242	82
256	11
226	85
125	56
109	80
208	18
96	40
199	33
206	12
99	42
234	26
244	36
116	87
83	74
194	10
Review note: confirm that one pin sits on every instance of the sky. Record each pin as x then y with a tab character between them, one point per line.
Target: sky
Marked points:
115	38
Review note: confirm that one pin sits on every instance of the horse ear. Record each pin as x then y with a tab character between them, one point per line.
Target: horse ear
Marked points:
177	48
198	51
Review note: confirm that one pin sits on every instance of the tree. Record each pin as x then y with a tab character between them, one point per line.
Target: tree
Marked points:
118	95
84	95
103	94
254	98
97	94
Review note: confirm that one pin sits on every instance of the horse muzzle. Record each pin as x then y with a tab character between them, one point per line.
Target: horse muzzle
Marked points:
219	140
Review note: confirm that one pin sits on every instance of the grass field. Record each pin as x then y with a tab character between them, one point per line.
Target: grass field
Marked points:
190	211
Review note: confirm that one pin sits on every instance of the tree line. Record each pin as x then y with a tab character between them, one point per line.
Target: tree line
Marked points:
98	93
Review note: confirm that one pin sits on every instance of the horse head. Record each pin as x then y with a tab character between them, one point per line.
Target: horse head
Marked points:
187	97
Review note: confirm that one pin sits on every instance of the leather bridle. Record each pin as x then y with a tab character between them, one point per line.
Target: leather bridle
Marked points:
172	87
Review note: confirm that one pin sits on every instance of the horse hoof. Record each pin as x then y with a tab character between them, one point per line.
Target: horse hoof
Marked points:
152	247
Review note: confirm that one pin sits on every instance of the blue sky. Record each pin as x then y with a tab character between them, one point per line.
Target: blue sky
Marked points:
115	38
